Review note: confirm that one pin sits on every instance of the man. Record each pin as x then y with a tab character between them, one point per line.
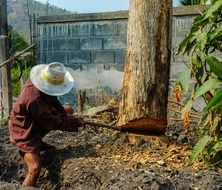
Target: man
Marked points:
38	111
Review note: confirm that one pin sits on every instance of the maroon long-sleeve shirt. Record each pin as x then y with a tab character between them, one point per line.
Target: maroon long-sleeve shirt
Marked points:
35	114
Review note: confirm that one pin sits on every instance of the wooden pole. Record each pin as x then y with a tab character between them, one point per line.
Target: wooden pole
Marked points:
3	18
6	90
81	100
5	78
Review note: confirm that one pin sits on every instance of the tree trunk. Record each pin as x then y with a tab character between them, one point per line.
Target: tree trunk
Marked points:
145	86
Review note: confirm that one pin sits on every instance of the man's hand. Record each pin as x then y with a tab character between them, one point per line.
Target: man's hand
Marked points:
81	122
68	108
73	123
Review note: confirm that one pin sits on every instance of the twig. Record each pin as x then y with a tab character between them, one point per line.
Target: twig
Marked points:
177	103
16	182
177	119
3	174
181	105
214	164
193	114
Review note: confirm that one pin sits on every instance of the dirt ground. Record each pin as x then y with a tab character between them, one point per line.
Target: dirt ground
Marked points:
93	159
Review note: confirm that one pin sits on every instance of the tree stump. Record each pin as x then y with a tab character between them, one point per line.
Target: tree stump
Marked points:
145	86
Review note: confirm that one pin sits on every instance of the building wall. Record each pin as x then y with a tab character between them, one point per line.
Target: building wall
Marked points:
100	38
76	40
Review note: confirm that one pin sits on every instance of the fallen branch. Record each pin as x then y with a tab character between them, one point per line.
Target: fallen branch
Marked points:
99	109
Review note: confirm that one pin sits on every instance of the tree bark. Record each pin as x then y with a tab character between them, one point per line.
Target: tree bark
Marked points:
145	86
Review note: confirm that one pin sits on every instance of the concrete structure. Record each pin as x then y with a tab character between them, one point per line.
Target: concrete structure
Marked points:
99	39
83	39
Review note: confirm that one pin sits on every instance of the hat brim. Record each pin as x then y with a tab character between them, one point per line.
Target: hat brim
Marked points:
48	88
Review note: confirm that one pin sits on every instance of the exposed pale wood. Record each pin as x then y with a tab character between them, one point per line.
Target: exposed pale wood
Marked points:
145	125
146	79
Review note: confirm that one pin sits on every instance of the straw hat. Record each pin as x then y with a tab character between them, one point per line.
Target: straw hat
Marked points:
52	79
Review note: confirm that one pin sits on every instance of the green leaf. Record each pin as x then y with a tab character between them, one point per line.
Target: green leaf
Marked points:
207	86
199	147
197	61
215	124
215	34
183	45
214	7
218	108
218	146
214	101
213	1
201	40
188	105
185	78
215	65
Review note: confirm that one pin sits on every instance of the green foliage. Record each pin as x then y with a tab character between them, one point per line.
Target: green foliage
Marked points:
218	146
20	68
5	119
16	80
206	87
215	65
17	41
215	101
16	86
201	45
185	79
199	147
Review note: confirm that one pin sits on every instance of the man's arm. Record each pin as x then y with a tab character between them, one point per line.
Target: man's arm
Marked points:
50	119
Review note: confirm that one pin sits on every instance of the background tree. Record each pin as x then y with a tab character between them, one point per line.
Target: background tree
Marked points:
19	68
18	13
145	86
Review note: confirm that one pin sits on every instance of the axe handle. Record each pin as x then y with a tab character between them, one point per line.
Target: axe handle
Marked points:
103	125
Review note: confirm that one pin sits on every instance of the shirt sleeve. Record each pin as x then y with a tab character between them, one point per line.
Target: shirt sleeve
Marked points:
49	118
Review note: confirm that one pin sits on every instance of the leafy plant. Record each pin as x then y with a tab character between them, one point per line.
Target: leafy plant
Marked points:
199	147
19	68
201	46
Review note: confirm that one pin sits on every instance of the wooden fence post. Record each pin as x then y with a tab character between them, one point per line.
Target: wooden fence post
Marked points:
6	92
81	100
